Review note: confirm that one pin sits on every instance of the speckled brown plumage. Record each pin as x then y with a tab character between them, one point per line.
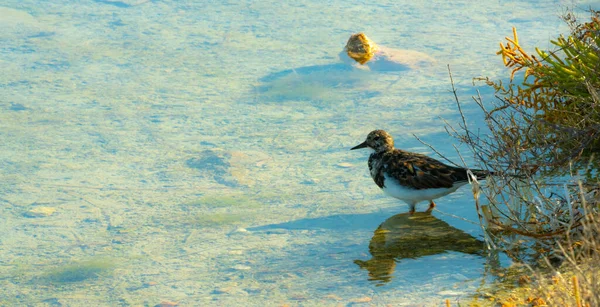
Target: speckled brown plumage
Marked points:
416	171
412	171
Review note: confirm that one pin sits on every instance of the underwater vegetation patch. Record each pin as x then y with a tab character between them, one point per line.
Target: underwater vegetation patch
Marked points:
79	271
215	219
213	211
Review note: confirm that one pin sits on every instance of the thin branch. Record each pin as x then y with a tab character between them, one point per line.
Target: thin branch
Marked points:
434	150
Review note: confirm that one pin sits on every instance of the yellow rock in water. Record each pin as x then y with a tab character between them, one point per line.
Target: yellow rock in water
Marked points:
362	50
40	212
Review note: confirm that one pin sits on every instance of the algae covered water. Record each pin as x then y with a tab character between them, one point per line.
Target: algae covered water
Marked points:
197	152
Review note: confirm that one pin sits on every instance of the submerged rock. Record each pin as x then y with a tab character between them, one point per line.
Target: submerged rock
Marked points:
40	212
359	57
230	168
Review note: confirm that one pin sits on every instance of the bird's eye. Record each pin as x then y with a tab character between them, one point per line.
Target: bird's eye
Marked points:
376	138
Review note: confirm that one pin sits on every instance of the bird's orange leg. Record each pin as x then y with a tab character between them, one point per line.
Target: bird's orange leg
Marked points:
431	206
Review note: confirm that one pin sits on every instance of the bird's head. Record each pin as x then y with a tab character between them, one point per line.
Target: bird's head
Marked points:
377	140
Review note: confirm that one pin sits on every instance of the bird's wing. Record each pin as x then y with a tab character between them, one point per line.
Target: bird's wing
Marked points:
421	172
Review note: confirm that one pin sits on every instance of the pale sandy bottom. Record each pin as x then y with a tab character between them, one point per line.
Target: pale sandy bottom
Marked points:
145	159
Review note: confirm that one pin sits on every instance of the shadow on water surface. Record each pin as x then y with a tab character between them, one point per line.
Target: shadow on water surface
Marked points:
338	222
313	82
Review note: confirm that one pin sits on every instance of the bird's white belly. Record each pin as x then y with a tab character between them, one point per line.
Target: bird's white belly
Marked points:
413	196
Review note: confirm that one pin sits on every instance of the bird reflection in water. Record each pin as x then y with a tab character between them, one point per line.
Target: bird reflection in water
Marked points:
412	236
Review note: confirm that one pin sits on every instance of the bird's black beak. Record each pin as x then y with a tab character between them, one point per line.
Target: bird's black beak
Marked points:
359	146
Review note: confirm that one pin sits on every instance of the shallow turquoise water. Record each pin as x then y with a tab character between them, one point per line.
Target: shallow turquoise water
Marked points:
158	146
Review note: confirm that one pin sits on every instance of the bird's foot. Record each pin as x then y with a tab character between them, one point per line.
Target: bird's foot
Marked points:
431	206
